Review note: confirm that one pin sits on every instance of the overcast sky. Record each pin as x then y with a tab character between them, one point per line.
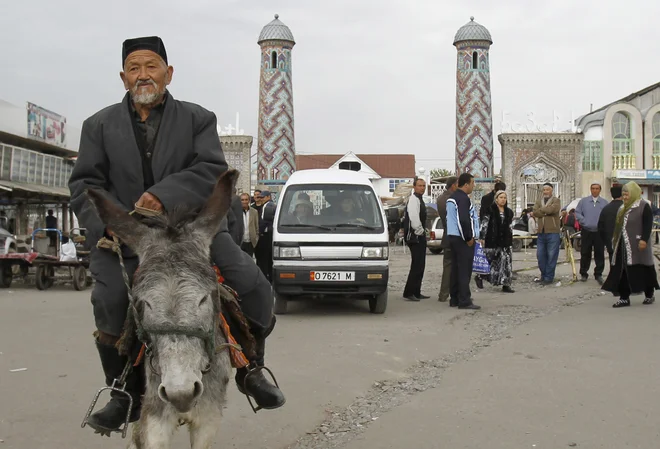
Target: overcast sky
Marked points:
371	76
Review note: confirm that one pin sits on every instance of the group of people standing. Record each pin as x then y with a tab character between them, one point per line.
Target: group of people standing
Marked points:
622	226
254	229
461	223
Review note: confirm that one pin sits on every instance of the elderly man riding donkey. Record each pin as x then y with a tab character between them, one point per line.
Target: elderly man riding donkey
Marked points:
151	186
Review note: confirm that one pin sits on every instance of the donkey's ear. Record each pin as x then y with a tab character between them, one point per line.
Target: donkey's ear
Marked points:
209	219
129	230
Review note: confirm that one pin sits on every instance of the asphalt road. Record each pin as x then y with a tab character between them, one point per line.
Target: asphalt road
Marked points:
545	367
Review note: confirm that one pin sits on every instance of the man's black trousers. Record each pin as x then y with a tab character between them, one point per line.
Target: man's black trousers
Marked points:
417	265
461	270
592	241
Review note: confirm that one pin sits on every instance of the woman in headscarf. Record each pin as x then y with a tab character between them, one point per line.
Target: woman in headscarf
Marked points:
497	237
632	268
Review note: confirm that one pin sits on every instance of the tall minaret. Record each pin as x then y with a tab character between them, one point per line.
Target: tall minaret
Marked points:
474	118
276	155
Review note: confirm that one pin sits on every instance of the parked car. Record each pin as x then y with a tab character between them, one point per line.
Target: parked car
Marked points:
7	242
435	236
340	250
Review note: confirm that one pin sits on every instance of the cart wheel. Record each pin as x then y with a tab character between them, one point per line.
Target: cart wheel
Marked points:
80	278
44	277
6	275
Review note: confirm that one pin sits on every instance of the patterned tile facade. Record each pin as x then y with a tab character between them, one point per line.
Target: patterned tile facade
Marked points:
275	145
474	119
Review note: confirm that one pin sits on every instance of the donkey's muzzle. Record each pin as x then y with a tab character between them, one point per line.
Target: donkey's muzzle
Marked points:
182	396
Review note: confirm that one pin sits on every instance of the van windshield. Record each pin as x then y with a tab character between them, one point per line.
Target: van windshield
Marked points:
324	208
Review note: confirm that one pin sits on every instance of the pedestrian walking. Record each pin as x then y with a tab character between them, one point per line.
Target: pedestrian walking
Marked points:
497	237
546	212
633	270
414	223
607	219
451	186
587	213
462	227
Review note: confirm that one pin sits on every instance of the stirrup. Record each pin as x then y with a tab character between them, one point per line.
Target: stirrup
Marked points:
118	389
251	372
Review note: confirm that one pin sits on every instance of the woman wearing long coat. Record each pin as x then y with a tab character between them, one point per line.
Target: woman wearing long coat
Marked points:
632	270
497	236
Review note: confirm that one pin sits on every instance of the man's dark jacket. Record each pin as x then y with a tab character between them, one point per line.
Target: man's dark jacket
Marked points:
186	163
607	221
235	220
266	218
486	201
441	202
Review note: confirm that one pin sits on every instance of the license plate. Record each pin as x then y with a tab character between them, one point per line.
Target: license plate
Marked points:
330	276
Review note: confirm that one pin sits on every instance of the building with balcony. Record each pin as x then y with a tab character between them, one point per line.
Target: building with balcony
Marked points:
612	145
622	143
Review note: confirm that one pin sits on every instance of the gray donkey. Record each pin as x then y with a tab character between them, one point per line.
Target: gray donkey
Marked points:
176	301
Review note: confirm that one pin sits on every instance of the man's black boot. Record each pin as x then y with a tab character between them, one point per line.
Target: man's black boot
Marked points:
255	384
251	380
113	415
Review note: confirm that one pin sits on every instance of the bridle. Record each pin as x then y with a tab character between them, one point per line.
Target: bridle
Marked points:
144	333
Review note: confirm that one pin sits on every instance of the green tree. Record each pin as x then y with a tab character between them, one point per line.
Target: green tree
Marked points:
441	173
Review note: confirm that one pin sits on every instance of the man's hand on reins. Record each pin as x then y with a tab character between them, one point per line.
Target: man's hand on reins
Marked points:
149	201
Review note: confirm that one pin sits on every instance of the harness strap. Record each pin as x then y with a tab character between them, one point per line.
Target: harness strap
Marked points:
238	359
140	356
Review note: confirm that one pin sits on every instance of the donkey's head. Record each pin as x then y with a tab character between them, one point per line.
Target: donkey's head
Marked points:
175	288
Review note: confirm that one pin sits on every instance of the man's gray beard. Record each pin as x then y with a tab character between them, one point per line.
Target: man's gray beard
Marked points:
146	98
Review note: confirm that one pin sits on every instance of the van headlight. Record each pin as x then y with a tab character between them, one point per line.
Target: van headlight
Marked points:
286	252
375	252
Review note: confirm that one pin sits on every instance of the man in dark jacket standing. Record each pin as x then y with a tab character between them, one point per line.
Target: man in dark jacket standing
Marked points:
452	185
607	219
415	235
463	228
264	250
155	152
234	219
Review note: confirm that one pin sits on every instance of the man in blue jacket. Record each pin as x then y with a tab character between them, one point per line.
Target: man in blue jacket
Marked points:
462	227
587	213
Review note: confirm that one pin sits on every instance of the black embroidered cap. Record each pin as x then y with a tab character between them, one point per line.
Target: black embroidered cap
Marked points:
153	43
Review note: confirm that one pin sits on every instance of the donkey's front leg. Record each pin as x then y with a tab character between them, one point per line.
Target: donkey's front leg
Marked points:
204	429
154	432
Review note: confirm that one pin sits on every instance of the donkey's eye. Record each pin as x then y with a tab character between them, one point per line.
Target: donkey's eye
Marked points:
204	299
140	303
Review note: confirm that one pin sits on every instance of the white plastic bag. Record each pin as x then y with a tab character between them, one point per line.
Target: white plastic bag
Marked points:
68	253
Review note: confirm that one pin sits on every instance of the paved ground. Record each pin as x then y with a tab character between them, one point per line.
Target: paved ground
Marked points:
545	367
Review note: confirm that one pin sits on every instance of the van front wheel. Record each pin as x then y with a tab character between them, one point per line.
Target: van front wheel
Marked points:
281	304
378	303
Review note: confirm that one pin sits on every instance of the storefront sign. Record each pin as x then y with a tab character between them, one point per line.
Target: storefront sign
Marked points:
630	174
45	125
652	174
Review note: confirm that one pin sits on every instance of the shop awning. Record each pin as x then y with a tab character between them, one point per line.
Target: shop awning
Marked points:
33	190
